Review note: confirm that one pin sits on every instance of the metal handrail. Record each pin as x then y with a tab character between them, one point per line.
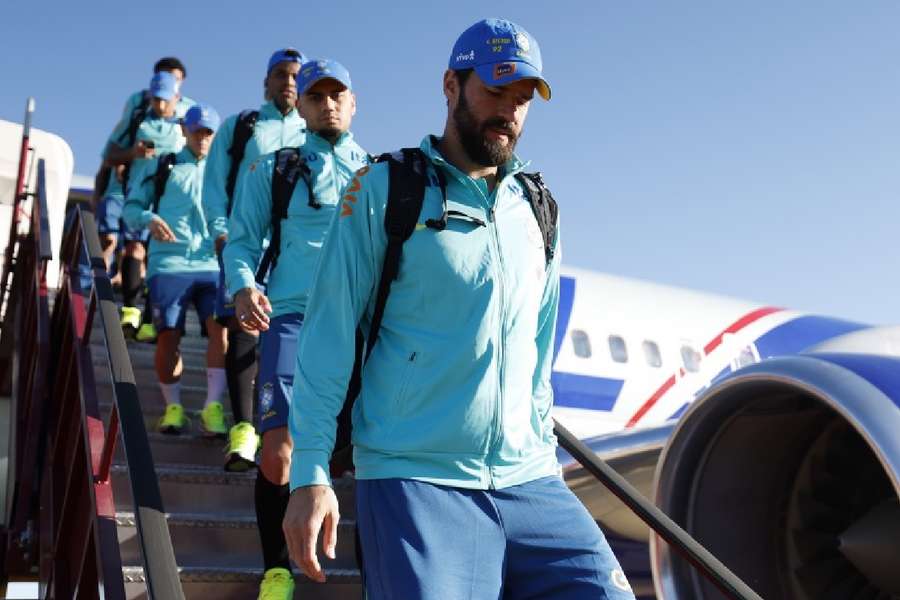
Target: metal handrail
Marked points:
83	262
707	564
62	512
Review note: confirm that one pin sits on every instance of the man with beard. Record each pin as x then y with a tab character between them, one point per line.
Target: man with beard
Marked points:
329	158
458	491
243	138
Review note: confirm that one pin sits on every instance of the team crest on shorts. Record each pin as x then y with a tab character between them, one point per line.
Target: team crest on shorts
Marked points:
266	397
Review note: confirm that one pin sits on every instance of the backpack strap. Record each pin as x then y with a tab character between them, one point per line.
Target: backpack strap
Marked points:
544	207
137	117
406	191
289	167
243	131
163	169
128	137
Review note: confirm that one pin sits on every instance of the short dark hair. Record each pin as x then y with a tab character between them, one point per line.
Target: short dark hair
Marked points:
169	63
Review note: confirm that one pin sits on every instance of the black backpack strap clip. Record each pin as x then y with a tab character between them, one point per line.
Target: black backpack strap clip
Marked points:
544	207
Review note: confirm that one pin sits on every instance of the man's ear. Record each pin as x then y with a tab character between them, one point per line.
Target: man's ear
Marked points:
266	88
352	104
451	86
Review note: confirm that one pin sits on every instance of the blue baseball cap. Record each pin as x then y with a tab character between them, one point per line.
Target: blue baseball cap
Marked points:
285	55
201	116
321	68
164	85
501	52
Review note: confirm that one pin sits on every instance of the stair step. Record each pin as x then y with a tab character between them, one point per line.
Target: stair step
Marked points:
189	448
243	583
192	374
232	540
193	489
152	401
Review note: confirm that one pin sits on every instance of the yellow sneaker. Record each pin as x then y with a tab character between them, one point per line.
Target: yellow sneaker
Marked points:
130	320
212	420
277	584
146	333
173	421
242	445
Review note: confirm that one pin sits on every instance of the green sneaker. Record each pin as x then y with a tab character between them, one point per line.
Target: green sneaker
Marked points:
212	420
130	320
173	421
277	584
242	445
146	333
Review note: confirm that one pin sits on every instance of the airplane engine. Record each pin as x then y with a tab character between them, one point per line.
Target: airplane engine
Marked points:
788	472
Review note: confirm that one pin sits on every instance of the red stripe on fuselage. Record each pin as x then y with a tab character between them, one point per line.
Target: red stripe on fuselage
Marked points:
714	343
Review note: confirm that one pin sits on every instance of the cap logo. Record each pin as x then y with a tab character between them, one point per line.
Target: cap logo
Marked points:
462	56
522	42
502	70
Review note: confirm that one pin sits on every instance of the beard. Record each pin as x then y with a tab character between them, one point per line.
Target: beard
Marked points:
480	149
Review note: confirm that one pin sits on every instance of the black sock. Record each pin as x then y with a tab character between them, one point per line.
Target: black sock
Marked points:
271	504
131	280
240	371
148	308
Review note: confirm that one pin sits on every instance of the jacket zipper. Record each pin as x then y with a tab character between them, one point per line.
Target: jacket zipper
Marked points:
501	346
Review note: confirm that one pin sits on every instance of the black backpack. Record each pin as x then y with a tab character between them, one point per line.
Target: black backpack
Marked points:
407	176
163	169
289	167
243	131
127	139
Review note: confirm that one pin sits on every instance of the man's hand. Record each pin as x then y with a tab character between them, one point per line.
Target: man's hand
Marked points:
309	510
141	150
252	308
159	230
220	243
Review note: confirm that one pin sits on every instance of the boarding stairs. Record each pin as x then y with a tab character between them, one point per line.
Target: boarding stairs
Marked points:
210	513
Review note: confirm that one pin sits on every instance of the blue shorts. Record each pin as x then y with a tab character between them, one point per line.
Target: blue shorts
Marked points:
277	361
110	221
171	293
433	542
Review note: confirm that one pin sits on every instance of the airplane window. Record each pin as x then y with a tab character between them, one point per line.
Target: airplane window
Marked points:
617	349
581	343
651	353
691	358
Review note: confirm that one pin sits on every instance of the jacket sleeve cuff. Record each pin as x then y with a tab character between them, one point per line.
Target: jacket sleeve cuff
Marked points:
218	226
309	467
243	279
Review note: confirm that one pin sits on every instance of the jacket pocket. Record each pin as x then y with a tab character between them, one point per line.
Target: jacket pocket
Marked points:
404	381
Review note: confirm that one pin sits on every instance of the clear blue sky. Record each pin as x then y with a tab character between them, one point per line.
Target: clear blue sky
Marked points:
744	148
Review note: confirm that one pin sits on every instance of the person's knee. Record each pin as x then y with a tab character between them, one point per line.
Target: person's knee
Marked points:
107	242
275	458
135	250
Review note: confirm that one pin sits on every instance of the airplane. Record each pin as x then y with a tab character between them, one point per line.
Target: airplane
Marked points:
769	434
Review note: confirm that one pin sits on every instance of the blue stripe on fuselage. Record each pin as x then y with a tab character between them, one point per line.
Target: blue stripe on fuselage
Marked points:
585	391
802	333
569	389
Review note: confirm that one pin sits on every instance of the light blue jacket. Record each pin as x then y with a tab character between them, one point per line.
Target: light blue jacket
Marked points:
273	131
457	389
114	188
180	207
302	233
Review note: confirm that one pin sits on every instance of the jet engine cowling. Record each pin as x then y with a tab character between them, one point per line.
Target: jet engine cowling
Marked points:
788	472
